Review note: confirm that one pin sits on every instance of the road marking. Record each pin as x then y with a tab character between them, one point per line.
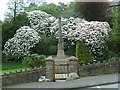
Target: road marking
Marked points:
90	77
99	87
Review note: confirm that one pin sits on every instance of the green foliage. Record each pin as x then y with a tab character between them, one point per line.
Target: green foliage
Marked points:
50	9
107	54
34	60
13	65
113	45
70	51
44	45
15	7
1	39
113	42
20	20
83	53
9	27
53	50
34	5
1	25
69	9
9	58
31	7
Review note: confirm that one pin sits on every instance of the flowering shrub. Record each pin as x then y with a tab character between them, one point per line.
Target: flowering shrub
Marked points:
67	26
24	39
74	29
92	34
47	24
41	21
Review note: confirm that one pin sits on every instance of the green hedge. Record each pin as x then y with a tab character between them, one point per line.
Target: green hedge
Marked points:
83	53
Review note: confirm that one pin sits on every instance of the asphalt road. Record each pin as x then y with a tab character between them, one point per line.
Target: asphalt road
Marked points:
78	83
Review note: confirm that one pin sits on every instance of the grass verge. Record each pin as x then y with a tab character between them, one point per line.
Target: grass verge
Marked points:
12	67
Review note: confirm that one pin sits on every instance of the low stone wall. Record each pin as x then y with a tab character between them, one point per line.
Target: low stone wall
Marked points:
25	76
94	69
33	75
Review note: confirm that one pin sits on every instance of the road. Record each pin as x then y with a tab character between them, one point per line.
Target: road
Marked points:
78	83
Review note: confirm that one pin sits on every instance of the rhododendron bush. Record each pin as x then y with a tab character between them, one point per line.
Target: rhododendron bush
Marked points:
92	33
47	24
24	39
41	22
74	29
67	26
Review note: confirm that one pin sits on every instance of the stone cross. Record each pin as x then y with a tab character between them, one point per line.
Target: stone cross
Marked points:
60	51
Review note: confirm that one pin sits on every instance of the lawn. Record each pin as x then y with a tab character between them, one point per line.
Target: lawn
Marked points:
12	67
6	67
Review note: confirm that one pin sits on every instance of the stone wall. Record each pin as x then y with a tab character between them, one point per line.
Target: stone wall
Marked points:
25	76
108	67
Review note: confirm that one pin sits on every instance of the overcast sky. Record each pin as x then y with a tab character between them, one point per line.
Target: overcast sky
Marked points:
3	6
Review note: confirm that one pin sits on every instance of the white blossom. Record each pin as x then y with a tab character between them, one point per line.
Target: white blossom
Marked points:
24	39
92	33
41	21
75	29
48	25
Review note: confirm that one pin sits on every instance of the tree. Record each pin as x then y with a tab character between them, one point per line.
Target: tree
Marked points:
14	19
34	5
1	25
36	2
113	42
31	7
50	9
14	8
94	11
1	35
8	29
69	10
83	53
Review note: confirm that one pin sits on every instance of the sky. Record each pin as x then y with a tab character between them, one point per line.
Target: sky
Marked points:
3	6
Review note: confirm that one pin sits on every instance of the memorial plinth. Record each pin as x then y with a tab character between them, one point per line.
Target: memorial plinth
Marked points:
60	58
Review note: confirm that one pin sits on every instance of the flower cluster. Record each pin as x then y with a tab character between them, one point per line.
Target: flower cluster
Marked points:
24	39
67	25
48	25
92	33
41	21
